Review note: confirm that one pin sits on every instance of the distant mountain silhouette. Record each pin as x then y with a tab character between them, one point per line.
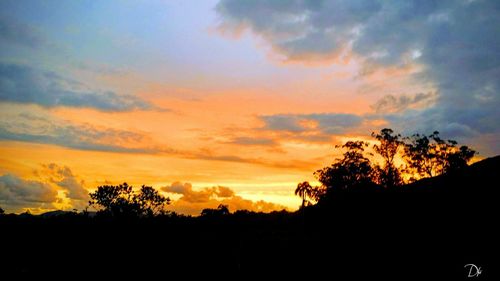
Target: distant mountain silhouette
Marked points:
55	213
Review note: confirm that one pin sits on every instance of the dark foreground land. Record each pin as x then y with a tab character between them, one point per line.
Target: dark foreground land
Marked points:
429	230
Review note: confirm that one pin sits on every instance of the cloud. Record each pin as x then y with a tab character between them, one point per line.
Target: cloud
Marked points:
223	192
209	156
194	201
456	42
253	141
24	84
178	188
17	193
327	123
203	195
298	29
38	128
391	103
20	34
63	177
55	187
282	122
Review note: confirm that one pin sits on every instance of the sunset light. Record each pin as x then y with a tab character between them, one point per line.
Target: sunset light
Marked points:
225	93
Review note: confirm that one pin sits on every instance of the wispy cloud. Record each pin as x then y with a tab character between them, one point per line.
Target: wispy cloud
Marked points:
262	161
45	129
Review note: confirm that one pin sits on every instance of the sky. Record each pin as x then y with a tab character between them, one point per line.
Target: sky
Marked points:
231	102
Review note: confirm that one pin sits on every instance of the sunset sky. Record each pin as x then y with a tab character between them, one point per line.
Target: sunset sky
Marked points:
229	101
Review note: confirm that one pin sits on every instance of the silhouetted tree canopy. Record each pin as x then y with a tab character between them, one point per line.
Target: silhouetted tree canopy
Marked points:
429	156
354	168
2	211
220	211
122	200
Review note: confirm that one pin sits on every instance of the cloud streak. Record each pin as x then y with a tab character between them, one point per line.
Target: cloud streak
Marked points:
36	128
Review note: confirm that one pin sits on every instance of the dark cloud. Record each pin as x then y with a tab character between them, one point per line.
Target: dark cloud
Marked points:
43	129
192	202
24	84
457	42
17	193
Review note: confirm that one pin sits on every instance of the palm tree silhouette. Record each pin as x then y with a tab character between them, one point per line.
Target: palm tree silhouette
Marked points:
304	190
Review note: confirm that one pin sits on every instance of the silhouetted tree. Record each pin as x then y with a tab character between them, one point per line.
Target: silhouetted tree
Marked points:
2	211
308	193
151	201
220	211
429	156
121	200
459	158
390	144
303	190
352	170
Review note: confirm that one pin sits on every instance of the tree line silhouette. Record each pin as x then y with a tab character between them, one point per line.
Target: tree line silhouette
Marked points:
122	201
420	156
